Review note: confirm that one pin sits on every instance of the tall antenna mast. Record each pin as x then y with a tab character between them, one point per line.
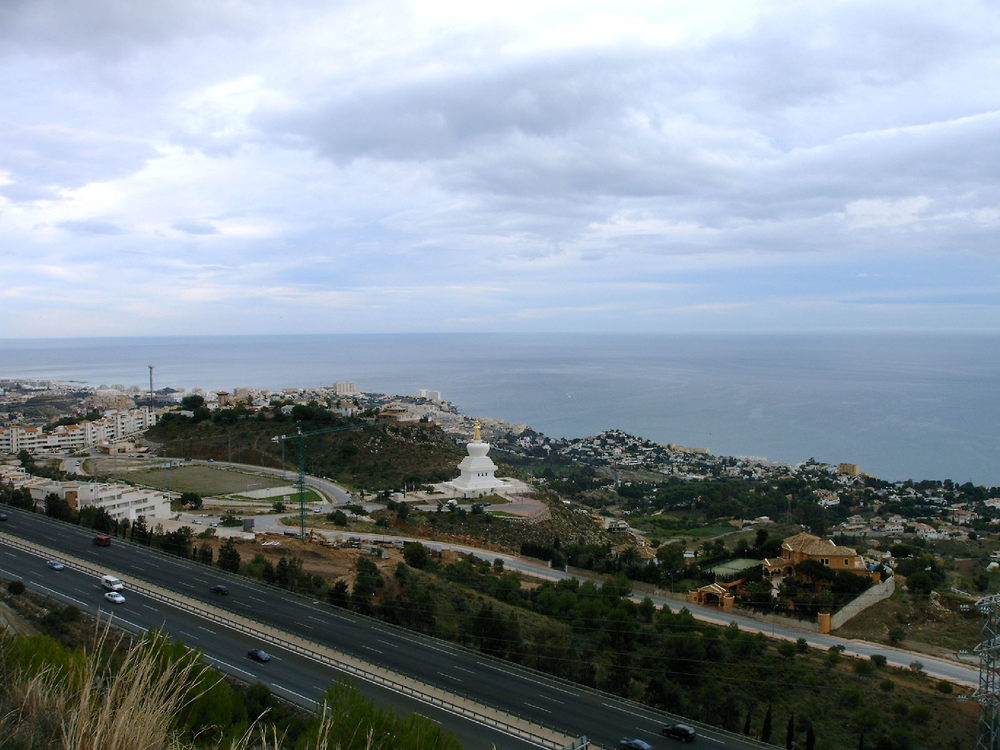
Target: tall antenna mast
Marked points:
151	402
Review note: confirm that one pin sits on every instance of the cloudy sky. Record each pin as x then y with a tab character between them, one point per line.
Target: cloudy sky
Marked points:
314	166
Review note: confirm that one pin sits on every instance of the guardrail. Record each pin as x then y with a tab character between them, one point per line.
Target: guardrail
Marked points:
423	692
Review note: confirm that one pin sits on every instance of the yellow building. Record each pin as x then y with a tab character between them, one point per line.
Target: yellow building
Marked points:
804	546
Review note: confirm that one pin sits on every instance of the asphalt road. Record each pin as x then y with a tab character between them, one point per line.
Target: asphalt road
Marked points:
576	711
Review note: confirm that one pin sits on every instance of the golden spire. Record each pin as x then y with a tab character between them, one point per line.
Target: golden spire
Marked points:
476	435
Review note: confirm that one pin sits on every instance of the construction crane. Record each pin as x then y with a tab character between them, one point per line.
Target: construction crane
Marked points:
300	483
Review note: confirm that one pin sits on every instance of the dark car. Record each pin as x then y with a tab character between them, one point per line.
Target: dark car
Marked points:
3	516
259	654
220	589
681	732
634	745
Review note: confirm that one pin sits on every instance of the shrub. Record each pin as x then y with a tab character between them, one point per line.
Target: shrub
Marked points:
16	588
878	660
944	686
863	667
887	685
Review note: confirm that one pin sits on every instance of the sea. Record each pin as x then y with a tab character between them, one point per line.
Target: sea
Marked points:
901	406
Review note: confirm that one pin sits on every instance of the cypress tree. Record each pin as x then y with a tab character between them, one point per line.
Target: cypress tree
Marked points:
765	731
746	724
790	733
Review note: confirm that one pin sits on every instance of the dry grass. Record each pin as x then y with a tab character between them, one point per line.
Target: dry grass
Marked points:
128	706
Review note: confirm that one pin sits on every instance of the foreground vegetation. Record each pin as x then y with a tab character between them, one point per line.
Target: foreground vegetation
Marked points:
157	695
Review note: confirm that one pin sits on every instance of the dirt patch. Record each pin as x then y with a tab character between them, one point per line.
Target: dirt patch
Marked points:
929	625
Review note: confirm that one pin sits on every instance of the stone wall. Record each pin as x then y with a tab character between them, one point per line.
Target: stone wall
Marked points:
867	598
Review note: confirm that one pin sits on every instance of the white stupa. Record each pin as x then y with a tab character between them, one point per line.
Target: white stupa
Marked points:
477	470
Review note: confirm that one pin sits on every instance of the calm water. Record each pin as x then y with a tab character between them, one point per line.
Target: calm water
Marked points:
920	406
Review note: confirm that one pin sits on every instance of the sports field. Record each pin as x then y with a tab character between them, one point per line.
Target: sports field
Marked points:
731	567
204	480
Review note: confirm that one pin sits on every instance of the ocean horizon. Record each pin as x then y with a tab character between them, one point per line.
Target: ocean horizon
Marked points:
901	406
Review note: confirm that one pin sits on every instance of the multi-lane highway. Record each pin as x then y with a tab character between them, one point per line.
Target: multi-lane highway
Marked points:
572	709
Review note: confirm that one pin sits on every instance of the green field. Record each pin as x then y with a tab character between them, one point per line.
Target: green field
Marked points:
204	480
311	496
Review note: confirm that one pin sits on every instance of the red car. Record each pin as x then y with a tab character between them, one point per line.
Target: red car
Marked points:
102	540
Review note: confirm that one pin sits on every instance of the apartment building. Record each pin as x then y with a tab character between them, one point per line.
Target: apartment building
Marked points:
121	501
114	425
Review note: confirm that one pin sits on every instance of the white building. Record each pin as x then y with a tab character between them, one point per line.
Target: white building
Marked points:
119	500
478	470
345	388
113	426
428	394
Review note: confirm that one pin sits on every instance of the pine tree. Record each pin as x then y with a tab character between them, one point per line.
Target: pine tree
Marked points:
790	733
765	731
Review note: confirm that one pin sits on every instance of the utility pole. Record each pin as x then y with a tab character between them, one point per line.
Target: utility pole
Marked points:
151	367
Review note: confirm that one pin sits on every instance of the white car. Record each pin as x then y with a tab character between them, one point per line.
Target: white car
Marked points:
114	597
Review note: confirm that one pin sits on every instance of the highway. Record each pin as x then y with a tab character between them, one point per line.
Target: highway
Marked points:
536	697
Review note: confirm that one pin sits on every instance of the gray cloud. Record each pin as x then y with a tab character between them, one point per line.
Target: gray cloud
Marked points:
42	159
90	227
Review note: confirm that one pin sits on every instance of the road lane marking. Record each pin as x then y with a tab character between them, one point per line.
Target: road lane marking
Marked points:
188	635
463	669
538	707
316	619
547	698
127	622
206	629
371	648
450	676
151	607
282	687
231	666
64	596
256	599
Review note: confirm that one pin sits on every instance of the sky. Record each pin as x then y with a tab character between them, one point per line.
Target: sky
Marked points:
314	166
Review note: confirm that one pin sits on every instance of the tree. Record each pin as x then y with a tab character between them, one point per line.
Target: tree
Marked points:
415	555
338	517
790	733
57	508
193	499
229	557
192	402
765	730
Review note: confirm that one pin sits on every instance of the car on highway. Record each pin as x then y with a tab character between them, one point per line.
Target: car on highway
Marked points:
3	516
102	540
683	732
220	589
259	654
114	597
634	745
54	564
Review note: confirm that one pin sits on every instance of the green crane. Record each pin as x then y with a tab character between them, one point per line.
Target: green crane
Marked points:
300	483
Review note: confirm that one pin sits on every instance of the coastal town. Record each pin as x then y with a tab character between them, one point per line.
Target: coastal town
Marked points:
39	416
809	546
